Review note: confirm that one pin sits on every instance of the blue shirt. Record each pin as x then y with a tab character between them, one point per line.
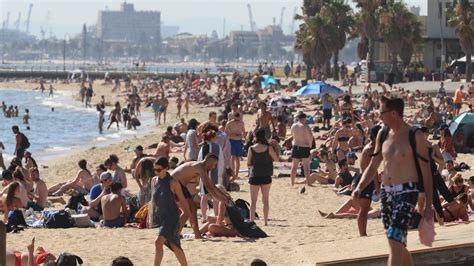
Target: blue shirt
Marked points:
326	103
95	191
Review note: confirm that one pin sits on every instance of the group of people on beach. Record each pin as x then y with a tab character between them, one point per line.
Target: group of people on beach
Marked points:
377	128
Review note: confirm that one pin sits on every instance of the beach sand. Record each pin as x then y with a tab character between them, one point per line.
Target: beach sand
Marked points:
298	235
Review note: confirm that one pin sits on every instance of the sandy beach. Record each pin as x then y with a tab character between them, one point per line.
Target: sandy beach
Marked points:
298	234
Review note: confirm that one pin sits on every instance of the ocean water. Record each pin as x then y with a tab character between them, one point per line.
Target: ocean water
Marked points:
69	128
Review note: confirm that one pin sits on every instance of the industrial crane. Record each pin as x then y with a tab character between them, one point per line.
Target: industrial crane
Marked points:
292	27
27	22
5	23
253	26
17	22
281	17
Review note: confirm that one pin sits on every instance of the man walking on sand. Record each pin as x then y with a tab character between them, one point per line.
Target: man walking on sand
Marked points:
302	142
400	185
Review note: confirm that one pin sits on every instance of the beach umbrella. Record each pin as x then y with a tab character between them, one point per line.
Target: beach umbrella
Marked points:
267	80
318	88
461	119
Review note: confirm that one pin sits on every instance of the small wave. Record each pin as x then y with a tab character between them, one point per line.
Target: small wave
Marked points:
100	139
57	148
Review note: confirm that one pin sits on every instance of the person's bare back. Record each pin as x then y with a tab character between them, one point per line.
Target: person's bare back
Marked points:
188	172
163	150
112	206
302	135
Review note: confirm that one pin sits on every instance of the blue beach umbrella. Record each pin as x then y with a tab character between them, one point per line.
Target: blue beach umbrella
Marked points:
461	119
267	80
318	87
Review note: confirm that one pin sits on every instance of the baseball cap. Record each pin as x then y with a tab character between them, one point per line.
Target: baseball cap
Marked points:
105	176
352	154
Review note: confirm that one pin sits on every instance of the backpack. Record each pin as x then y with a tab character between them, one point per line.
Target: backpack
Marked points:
68	259
57	219
25	143
244	206
412	141
245	228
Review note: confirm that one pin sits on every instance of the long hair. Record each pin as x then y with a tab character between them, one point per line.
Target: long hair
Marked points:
260	137
147	170
83	165
11	192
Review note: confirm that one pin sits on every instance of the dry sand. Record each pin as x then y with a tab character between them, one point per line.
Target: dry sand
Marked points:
298	235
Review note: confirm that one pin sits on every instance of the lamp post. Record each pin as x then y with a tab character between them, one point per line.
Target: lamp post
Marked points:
64	51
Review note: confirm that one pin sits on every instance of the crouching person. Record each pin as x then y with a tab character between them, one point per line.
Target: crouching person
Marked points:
94	210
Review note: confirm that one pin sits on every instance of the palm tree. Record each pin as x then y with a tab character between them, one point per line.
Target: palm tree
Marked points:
463	21
400	30
340	15
315	36
369	19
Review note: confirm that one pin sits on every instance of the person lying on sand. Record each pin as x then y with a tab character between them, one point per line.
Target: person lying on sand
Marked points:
349	210
82	183
17	258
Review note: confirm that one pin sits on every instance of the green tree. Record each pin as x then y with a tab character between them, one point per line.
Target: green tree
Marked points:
463	22
400	31
340	15
368	19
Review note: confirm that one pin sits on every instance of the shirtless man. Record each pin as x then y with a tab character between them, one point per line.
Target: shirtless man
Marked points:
235	109
191	172
164	147
212	120
264	119
40	193
114	208
399	190
302	142
179	104
235	130
138	155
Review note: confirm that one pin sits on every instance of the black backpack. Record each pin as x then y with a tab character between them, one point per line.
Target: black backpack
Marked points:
412	141
244	207
59	219
25	143
244	227
68	259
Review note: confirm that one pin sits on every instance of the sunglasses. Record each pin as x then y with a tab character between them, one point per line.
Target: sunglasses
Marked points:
386	111
158	170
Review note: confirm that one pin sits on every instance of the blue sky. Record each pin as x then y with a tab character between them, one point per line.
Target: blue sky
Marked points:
198	16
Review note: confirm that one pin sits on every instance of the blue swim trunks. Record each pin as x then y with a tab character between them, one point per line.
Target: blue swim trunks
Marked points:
236	147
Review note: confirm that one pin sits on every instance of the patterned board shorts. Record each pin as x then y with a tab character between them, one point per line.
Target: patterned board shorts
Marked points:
398	207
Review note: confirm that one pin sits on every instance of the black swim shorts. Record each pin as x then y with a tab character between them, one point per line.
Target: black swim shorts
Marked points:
327	113
300	152
398	207
186	193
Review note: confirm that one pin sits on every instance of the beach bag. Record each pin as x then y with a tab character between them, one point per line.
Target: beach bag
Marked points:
68	259
58	219
245	228
25	143
75	200
142	213
244	208
134	206
81	220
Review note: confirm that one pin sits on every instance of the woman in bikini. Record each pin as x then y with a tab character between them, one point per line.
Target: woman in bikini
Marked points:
82	183
340	144
12	200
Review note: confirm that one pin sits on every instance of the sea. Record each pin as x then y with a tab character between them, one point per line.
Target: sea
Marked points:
60	124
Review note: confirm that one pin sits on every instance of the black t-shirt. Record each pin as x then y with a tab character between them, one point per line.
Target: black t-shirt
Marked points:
346	178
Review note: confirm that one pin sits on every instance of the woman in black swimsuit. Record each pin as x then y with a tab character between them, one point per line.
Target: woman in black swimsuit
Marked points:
260	161
340	145
346	108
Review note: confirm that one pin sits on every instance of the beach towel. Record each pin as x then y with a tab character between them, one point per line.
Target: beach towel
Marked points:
426	232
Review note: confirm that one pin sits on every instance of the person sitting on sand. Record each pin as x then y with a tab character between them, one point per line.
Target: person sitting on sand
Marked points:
119	175
327	175
471	193
40	193
30	162
350	210
82	183
20	178
164	147
455	210
114	209
220	225
12	199
458	189
344	177
143	175
94	210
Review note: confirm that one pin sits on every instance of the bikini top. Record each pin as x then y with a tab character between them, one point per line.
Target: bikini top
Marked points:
343	139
